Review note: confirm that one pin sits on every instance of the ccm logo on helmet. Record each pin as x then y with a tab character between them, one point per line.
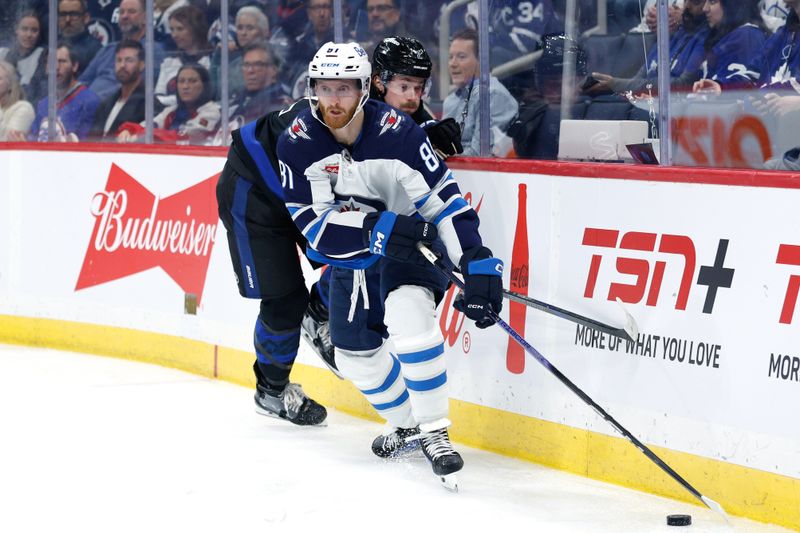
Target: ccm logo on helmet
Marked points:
329	65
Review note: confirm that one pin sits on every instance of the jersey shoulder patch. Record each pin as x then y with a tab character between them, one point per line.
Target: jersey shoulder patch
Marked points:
299	129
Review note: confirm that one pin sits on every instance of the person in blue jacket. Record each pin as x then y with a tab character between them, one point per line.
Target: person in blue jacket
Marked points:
733	48
686	54
76	104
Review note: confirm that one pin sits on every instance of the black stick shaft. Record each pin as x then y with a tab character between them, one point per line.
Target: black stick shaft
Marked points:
567	315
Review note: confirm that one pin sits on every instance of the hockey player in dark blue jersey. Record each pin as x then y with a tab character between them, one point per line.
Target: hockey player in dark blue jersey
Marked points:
263	239
363	184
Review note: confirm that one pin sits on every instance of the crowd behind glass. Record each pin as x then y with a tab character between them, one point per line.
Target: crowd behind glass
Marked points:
731	56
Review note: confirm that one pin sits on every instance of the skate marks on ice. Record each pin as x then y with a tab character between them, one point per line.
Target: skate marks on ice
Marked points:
98	444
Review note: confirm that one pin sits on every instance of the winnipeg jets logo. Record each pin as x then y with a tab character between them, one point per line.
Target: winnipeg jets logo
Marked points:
298	129
390	121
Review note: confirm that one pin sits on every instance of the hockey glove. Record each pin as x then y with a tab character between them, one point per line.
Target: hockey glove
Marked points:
445	136
396	236
483	286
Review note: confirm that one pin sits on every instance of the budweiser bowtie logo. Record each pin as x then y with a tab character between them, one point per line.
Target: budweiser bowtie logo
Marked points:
135	231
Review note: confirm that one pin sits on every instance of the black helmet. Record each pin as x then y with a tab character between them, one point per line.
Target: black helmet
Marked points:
401	55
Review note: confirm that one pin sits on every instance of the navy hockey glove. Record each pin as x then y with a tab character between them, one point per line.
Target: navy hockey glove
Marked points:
445	136
396	236
483	286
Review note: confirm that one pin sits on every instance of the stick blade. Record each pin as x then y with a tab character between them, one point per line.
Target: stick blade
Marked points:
714	506
631	327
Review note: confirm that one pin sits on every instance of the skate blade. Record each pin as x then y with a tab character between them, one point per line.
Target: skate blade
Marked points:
449	482
270	414
314	348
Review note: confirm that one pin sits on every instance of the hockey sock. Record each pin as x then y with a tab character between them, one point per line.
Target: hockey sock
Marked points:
377	375
411	320
275	355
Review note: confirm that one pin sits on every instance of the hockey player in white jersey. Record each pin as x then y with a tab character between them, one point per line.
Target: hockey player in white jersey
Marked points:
364	185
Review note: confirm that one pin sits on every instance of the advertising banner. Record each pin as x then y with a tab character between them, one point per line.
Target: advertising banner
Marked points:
710	272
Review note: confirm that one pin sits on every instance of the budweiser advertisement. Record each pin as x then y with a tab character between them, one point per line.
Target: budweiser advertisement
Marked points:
135	230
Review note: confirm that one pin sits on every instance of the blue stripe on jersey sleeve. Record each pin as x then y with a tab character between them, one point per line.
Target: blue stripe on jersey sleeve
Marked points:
305	218
313	231
259	155
456	205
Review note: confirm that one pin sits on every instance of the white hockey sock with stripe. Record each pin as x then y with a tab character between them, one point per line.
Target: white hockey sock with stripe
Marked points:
411	320
377	375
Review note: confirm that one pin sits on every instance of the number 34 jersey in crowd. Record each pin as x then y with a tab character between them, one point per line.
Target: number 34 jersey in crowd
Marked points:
329	188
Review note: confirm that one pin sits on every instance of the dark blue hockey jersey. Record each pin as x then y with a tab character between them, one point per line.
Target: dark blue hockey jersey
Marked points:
781	58
736	59
329	188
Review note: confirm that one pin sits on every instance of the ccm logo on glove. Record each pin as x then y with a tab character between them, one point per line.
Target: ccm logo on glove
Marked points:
396	236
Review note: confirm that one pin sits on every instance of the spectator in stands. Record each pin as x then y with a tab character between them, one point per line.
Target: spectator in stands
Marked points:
193	119
384	18
76	104
29	59
189	29
16	114
774	13
516	27
781	56
252	28
686	50
780	93
536	130
650	18
263	92
162	12
73	16
127	104
100	75
734	46
462	103
290	20
318	31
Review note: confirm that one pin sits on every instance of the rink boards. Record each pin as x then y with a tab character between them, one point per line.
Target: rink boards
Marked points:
108	251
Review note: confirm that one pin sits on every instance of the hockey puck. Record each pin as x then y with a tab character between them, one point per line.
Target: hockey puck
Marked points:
679	520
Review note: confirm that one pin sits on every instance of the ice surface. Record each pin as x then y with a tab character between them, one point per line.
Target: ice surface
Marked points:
95	444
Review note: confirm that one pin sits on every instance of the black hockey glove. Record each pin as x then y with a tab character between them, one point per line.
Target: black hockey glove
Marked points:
396	236
445	136
483	286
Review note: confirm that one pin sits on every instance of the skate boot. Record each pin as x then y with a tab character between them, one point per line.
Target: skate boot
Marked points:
291	404
395	442
437	448
315	329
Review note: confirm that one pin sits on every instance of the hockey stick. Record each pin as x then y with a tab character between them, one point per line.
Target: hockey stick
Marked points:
630	332
708	502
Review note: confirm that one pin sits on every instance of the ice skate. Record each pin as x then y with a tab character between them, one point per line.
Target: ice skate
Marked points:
396	442
444	460
291	404
315	329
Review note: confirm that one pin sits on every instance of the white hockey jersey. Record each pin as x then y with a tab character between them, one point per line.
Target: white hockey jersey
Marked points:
329	188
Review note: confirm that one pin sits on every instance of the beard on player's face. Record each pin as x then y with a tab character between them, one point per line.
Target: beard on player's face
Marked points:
337	114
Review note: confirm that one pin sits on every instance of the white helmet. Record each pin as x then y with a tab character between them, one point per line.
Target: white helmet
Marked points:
346	61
